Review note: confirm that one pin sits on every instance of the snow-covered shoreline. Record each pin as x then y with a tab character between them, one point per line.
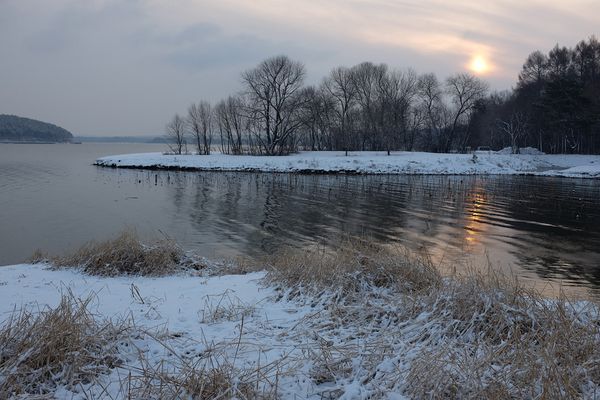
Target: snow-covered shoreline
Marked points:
405	163
374	343
175	316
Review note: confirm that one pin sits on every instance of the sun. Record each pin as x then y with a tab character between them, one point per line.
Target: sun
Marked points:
479	65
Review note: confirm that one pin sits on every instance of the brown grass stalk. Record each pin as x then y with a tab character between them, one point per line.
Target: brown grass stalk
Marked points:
65	346
352	267
477	335
125	255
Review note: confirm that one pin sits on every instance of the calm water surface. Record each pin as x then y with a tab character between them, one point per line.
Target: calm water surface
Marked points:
543	229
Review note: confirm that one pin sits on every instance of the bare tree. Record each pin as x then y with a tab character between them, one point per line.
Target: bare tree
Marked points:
430	93
275	102
465	90
318	118
515	127
340	85
231	124
416	122
200	121
398	95
369	81
176	135
365	107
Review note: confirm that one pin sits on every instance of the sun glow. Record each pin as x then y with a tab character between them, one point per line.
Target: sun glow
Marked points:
479	65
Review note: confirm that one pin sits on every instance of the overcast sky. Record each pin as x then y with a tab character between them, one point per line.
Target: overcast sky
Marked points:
124	67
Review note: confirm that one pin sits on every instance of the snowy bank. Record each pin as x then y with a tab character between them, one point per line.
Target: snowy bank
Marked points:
417	163
175	317
360	323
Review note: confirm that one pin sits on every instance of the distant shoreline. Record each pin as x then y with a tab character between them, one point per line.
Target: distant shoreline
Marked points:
36	142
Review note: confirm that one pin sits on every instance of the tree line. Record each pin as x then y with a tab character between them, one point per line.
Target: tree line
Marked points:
19	129
364	107
554	106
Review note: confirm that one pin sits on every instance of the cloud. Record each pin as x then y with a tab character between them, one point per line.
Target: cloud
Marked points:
219	51
76	62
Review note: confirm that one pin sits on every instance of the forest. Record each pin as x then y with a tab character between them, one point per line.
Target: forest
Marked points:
554	106
19	129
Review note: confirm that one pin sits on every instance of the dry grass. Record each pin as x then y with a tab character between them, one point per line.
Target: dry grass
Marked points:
227	307
216	372
67	348
499	339
385	321
63	346
470	336
128	255
125	255
187	380
231	266
353	267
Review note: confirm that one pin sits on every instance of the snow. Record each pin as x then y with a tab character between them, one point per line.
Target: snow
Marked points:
198	313
203	311
416	163
523	150
361	350
580	171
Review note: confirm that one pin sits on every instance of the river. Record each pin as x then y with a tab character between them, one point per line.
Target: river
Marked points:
542	229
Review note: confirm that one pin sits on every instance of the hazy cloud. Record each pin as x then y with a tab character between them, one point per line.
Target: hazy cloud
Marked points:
124	66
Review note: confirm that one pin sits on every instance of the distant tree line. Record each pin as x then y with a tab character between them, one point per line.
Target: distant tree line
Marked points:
555	107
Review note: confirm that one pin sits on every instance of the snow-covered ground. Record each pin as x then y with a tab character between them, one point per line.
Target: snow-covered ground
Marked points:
236	319
304	346
371	163
189	313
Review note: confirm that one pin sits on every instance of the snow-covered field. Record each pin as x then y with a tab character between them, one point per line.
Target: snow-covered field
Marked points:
191	316
287	343
582	166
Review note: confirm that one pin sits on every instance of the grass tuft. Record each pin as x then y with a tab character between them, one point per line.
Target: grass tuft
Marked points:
498	339
64	346
353	267
125	255
192	381
409	329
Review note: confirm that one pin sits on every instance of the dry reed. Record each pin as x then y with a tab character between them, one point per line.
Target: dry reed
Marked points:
471	336
354	266
385	321
125	255
498	339
63	346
